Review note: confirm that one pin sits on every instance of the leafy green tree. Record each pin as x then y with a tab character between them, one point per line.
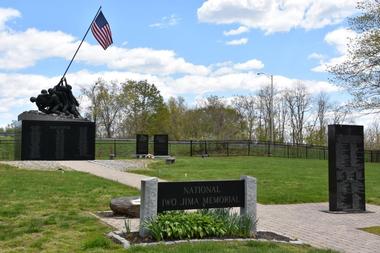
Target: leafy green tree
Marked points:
142	104
177	110
218	121
360	72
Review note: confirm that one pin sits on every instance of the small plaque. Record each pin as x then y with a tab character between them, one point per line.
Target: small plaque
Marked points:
200	195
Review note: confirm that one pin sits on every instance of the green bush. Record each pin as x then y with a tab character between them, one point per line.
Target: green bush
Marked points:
205	223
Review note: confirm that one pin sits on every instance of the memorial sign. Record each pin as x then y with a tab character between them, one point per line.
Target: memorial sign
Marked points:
200	195
142	144
163	196
161	145
346	168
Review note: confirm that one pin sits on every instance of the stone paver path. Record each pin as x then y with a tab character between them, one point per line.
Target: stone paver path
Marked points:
308	223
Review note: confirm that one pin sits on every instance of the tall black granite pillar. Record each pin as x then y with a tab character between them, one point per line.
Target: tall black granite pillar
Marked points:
45	137
346	168
142	144
161	145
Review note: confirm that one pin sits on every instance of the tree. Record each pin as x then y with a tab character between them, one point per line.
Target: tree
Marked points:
214	119
264	113
177	110
318	130
298	101
360	72
142	104
246	106
104	106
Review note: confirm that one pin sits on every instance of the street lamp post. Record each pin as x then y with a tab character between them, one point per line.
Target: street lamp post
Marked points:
271	121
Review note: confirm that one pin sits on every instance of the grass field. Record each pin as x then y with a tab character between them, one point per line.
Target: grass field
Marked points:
280	180
374	230
47	211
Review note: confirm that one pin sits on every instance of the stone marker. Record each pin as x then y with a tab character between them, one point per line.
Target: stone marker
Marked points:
157	197
148	208
126	206
346	168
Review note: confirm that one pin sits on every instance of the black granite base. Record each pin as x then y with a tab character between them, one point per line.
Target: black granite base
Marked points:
67	139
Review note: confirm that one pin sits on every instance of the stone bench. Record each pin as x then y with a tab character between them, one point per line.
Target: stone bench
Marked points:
170	160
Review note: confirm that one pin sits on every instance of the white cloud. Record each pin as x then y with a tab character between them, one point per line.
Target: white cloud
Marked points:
276	16
7	14
238	42
248	65
23	49
166	22
339	39
240	30
316	56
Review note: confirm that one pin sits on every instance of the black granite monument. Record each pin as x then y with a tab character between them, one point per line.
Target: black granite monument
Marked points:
142	144
56	131
44	137
161	145
346	168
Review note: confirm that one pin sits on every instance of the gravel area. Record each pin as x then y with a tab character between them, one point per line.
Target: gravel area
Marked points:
123	165
120	165
37	165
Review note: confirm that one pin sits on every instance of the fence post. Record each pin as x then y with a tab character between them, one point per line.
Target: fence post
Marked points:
371	156
228	151
287	148
191	147
249	147
114	147
306	151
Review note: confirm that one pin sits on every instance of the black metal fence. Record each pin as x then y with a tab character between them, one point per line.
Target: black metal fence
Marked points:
126	148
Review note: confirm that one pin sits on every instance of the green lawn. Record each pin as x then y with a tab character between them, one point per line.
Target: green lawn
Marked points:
42	211
280	180
47	211
374	230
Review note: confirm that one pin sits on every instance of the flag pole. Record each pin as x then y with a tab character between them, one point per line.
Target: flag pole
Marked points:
81	42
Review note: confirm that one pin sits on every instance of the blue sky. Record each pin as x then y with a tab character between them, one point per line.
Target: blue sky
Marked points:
187	48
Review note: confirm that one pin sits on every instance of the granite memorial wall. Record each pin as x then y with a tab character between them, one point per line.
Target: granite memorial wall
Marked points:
346	168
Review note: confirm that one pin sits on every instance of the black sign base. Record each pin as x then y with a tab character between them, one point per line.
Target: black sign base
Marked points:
55	140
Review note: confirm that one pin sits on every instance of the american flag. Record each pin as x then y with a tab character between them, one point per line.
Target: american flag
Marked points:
102	31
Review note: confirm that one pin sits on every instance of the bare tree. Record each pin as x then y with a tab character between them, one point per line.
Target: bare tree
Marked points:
265	113
340	113
372	136
298	101
282	117
247	108
105	106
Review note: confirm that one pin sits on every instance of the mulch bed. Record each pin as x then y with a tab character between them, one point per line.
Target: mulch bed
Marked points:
134	237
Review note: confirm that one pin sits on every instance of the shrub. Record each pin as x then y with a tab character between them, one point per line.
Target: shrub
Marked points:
204	223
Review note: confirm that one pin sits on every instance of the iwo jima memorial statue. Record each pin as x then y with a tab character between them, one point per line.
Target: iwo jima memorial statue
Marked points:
56	131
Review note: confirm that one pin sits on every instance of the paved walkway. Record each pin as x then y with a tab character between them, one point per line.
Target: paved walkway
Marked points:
306	222
100	170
